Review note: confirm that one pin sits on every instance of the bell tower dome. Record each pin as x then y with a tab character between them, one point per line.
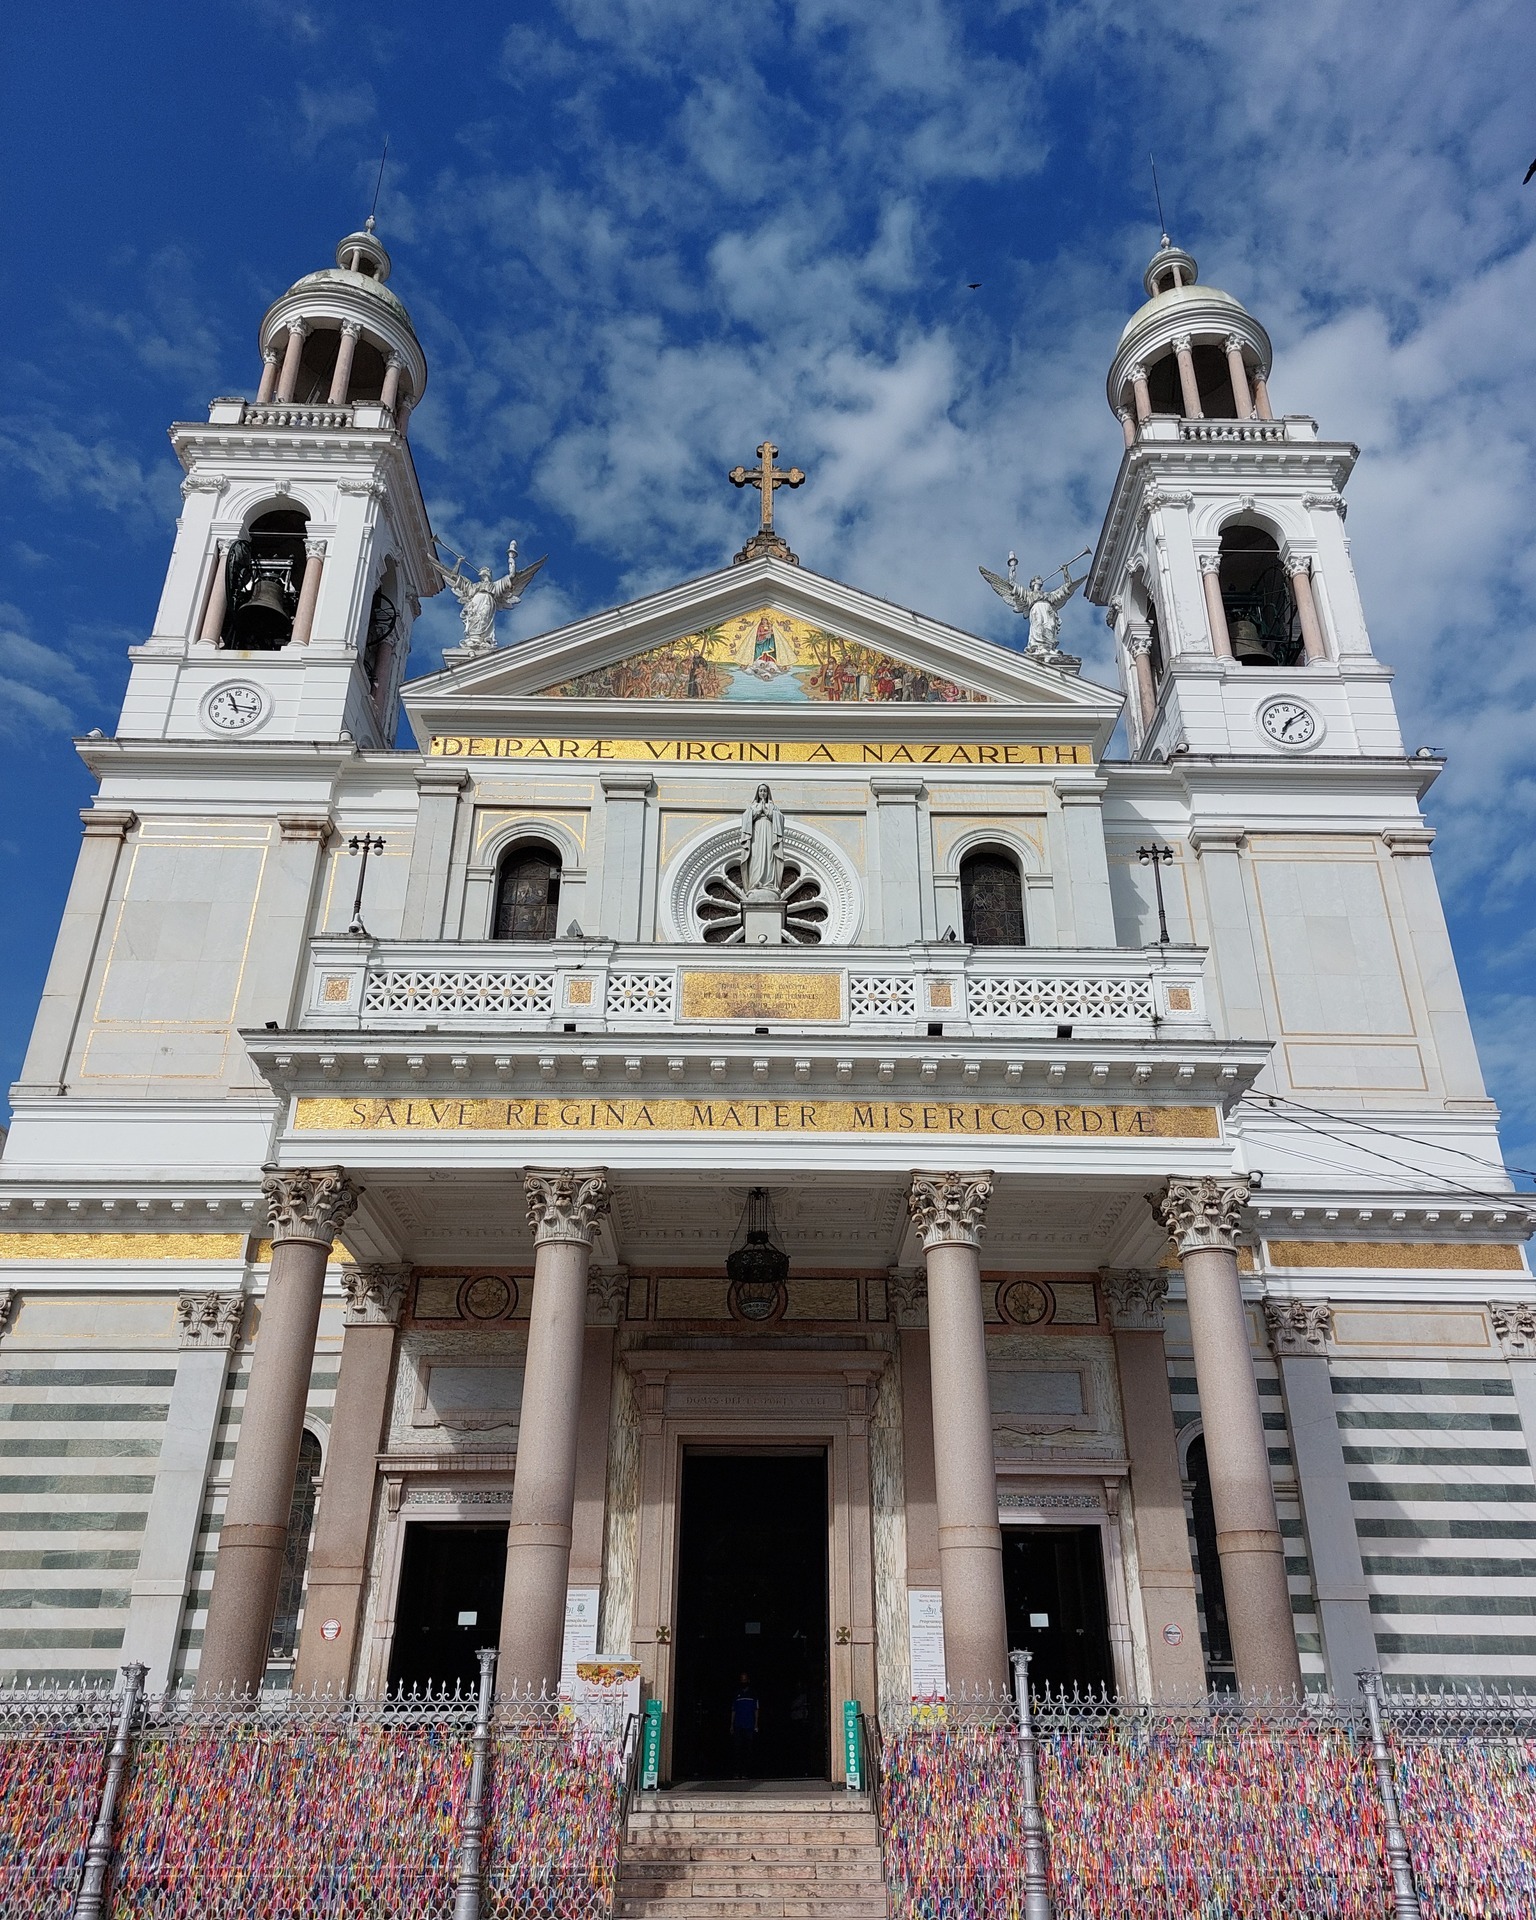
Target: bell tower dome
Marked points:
1223	564
303	551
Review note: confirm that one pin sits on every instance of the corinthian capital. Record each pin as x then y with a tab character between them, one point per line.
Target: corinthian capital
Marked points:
7	1303
309	1203
1202	1213
566	1205
1182	344
948	1208
209	1321
1514	1327
1299	1326
1135	1300
1209	562
906	1289
375	1295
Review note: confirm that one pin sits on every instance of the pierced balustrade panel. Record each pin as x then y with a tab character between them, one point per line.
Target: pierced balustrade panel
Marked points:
648	993
879	996
1068	1000
456	990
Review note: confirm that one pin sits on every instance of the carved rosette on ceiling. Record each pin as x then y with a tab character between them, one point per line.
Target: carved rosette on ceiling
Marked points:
309	1203
566	1205
1514	1327
1135	1299
948	1209
1302	1327
1203	1214
209	1321
374	1295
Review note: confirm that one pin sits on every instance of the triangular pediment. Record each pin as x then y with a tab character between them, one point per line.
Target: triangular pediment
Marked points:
768	638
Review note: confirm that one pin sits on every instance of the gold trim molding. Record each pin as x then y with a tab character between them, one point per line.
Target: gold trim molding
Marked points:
122	1246
1414	1255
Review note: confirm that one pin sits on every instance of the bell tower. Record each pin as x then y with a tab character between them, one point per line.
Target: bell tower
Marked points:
303	552
1223	564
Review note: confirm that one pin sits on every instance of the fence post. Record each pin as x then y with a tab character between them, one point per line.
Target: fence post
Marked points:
98	1854
1037	1873
1405	1892
468	1882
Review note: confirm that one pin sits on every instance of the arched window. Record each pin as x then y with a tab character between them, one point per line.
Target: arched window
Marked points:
1261	608
992	899
301	1521
1163	388
265	571
528	893
1219	1667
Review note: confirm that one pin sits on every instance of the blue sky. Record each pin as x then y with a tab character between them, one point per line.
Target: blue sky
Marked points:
637	235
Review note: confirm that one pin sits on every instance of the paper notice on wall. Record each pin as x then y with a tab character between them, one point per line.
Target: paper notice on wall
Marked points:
925	1642
606	1694
580	1634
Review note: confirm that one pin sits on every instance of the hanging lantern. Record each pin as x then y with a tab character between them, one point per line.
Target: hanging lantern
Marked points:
757	1261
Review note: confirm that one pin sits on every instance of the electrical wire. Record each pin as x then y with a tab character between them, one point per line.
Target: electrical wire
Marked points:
1471	1193
1388	1133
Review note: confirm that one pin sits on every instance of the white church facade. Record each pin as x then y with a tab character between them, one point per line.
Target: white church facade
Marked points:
733	1136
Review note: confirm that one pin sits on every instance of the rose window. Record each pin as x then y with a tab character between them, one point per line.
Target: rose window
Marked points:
719	909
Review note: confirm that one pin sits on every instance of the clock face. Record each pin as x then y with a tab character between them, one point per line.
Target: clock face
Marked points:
1289	722
232	708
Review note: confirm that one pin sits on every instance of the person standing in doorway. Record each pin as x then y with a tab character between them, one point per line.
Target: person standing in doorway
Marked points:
744	1711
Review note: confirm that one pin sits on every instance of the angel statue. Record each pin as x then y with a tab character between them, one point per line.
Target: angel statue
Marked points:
1039	607
481	600
762	848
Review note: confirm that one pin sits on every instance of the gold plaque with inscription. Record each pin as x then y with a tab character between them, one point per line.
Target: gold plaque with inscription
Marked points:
762	753
985	1119
762	996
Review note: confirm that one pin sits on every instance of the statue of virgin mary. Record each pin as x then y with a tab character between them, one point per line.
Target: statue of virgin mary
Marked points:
762	848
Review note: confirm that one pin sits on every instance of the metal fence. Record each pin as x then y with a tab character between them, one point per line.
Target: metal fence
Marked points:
417	1808
1389	1808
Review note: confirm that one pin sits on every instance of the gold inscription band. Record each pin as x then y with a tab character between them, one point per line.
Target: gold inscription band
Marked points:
762	996
765	753
985	1119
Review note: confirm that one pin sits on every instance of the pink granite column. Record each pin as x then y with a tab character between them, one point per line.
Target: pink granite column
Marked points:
288	379
218	594
1127	424
1138	647
1202	1217
1187	384
308	1209
1216	613
393	368
341	378
268	385
309	592
1241	399
563	1209
1306	607
1261	394
1141	392
338	1561
948	1210
1166	1570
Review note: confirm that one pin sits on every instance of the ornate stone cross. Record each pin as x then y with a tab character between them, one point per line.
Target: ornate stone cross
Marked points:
766	477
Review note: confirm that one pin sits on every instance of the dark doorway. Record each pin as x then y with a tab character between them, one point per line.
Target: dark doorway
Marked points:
449	1603
752	1599
1053	1582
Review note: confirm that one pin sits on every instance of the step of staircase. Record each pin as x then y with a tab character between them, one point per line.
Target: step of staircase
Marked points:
781	1855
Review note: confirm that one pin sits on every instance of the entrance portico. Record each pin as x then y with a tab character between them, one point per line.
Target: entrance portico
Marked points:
566	1402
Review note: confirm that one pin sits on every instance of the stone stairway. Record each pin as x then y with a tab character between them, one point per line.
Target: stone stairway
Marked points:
789	1853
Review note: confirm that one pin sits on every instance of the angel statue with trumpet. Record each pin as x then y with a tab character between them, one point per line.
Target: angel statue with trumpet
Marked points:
480	600
1040	608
